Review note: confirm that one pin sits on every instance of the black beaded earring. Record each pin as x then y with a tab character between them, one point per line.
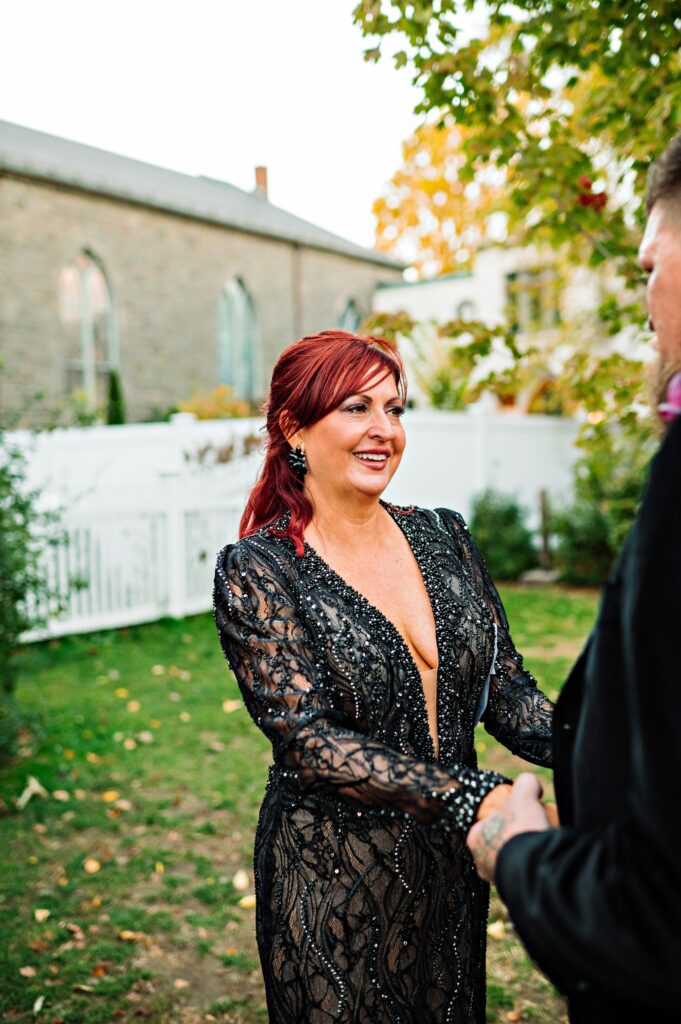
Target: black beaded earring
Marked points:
297	461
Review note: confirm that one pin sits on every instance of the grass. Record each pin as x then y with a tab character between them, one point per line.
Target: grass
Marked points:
127	894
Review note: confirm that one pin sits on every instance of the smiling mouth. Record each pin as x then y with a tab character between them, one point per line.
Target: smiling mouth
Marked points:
370	457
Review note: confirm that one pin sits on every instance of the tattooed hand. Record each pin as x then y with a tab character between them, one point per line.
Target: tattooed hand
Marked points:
522	812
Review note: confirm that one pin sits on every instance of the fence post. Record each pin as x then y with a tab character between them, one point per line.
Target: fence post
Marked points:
176	554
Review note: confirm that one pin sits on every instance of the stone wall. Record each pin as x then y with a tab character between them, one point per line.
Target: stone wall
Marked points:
166	273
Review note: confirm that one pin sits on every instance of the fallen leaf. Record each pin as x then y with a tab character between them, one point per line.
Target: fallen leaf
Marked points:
496	930
129	743
184	675
38	1005
61	794
109	795
40	828
159	867
174	696
128	936
228	706
121	692
80	794
123	804
101	968
247	901
145	737
185	716
155	723
180	983
91	866
28	972
92	757
134	706
83	988
157	670
41	914
40	946
241	880
32	788
514	1015
69	755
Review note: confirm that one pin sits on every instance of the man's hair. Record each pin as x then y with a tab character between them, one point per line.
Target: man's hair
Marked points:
664	176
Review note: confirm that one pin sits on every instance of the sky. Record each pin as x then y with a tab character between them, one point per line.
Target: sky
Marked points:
216	87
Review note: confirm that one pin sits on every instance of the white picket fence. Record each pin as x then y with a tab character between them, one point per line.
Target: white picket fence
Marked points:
146	507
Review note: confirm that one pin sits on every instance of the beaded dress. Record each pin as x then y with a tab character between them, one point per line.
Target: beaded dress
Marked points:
369	909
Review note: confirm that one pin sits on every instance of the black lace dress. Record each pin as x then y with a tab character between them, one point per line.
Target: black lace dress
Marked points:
369	909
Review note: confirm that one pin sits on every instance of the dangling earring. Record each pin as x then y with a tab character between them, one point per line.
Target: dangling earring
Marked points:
297	461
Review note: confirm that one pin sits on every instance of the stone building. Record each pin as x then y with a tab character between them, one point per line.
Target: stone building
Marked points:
172	283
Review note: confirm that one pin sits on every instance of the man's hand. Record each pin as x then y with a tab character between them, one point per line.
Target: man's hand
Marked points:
522	812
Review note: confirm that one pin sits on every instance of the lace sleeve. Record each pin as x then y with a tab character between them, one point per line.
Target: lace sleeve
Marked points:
518	714
273	657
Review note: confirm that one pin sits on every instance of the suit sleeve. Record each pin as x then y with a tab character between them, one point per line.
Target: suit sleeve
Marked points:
602	909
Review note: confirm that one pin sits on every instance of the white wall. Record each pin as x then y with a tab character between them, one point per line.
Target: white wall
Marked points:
450	457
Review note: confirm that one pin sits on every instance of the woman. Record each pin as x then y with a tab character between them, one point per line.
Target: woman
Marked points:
367	640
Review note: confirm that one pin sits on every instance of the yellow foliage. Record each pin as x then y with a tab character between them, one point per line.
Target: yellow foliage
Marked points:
216	405
434	211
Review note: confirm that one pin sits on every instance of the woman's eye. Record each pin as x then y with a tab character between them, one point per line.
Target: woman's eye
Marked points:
397	410
356	408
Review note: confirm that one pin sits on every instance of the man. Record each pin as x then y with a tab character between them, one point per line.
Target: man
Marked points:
597	901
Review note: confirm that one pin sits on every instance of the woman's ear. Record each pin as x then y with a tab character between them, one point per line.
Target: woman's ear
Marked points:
288	428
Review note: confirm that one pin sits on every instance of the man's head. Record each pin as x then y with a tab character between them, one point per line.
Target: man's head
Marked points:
660	256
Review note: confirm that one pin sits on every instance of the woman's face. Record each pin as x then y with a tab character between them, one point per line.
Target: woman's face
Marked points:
355	449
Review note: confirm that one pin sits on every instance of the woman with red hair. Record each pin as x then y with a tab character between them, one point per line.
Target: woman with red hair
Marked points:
367	641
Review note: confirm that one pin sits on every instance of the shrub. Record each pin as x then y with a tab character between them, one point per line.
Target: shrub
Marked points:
26	595
498	524
115	406
217	404
609	480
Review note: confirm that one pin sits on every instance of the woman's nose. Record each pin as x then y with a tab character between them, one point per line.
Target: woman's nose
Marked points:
381	425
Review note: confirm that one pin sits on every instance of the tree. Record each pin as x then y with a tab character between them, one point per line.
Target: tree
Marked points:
574	100
428	215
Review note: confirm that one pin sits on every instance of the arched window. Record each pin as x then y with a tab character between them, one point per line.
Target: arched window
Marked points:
350	318
239	342
87	315
466	310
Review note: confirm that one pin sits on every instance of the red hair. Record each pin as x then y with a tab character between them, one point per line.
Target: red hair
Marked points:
311	378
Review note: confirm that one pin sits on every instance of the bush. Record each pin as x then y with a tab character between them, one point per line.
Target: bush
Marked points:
25	591
115	406
217	404
498	524
609	481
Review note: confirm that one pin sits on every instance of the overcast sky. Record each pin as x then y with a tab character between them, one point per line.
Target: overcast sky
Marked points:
215	87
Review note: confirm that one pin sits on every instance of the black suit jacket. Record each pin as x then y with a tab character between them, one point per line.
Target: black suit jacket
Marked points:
598	901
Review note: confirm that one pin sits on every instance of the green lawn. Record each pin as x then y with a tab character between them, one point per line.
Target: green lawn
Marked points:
126	889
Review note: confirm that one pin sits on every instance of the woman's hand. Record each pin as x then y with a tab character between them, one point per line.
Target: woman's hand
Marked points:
551	812
494	801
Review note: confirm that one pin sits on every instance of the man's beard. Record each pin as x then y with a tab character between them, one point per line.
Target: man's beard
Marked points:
656	381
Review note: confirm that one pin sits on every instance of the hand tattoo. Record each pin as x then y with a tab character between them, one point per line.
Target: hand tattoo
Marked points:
491	841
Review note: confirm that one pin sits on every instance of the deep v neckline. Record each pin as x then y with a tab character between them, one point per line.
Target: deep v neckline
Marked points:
414	670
